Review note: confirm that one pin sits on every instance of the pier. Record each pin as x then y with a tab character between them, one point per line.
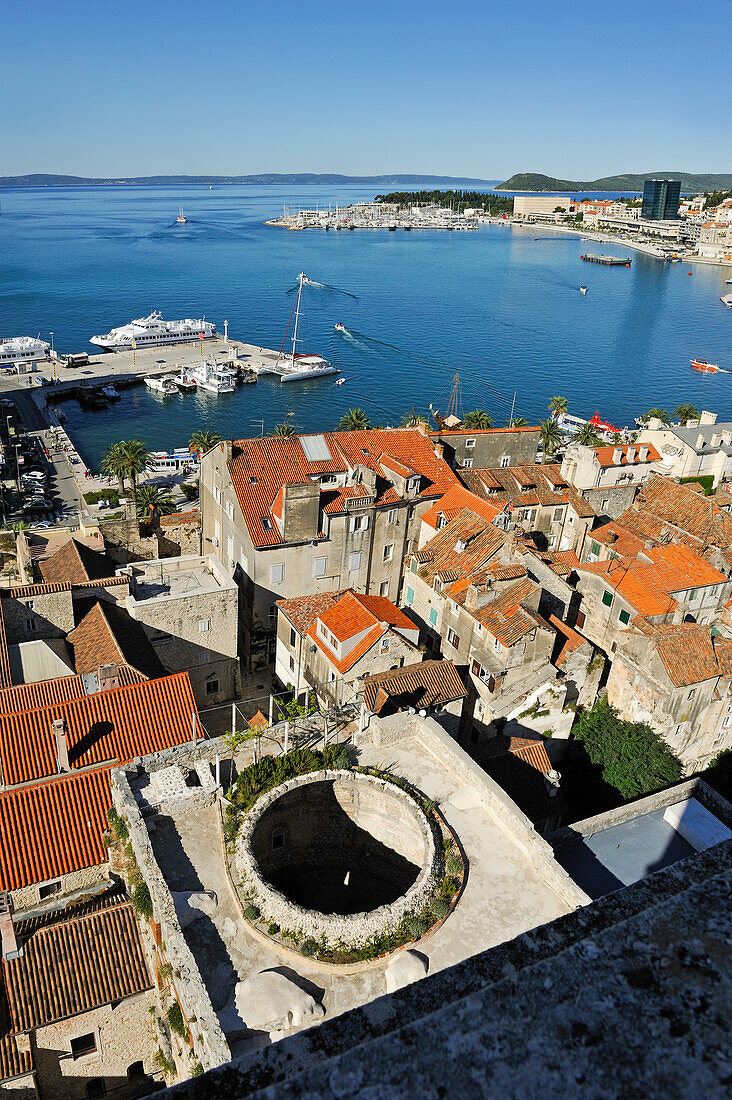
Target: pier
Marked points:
610	261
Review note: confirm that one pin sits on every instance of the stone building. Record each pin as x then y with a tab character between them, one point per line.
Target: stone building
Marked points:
453	502
92	1034
332	642
464	448
317	514
539	500
608	476
173	536
697	449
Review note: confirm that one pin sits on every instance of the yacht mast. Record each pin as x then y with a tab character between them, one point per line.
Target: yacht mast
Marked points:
301	278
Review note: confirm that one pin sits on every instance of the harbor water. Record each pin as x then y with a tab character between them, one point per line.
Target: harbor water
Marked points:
498	305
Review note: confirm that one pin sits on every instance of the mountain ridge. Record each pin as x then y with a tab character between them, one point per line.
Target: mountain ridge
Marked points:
630	181
43	179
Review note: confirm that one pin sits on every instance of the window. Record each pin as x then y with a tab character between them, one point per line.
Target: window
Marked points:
552	541
391	516
437	584
384	588
244	563
217	494
230	547
496	643
293	637
441	521
713	590
624	617
693	594
83	1045
331	677
204	625
410	595
413	565
359	523
267	523
607	598
96	1087
229	509
595	547
467	463
691	694
558	513
505	461
388	552
354	563
470	443
273	616
452	638
49	889
212	687
384	645
292	664
603	504
433	616
276	573
217	532
319	567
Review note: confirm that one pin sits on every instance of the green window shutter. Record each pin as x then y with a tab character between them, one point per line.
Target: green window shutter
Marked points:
410	595
413	566
595	547
433	616
624	617
607	599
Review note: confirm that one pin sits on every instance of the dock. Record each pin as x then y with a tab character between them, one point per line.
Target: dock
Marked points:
610	261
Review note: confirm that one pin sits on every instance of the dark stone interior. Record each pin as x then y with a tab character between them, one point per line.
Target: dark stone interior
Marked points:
306	846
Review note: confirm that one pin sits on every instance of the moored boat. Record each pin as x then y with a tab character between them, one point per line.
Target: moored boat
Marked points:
22	349
726	300
213	377
704	366
163	386
152	330
111	392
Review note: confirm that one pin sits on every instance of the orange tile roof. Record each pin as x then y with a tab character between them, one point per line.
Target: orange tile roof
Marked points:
681	507
345	663
526	486
53	828
572	639
108	635
480	540
259	467
14	1061
76	563
40	694
303	610
481	431
457	498
116	725
605	455
506	617
427	684
72	967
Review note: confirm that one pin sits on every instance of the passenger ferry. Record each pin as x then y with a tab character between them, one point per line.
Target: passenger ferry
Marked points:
22	349
172	462
153	330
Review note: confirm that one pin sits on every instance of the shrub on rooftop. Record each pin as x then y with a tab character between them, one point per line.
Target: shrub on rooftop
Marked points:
271	771
142	901
176	1021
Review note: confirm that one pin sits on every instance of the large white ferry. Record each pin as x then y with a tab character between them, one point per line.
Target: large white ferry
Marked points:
22	349
152	330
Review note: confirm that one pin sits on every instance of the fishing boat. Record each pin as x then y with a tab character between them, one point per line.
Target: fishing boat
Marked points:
583	289
164	386
213	377
338	327
185	382
299	367
181	216
704	366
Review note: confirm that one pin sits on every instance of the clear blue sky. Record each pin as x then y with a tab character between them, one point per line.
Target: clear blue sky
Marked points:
123	87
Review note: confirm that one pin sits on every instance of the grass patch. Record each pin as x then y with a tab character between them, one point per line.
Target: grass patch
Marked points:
112	495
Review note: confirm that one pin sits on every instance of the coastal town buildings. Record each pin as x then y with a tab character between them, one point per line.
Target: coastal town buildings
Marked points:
661	200
464	448
608	476
695	449
316	514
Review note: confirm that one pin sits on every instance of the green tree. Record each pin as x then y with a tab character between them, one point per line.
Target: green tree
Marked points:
659	414
550	437
413	419
517	422
283	429
134	459
477	420
203	440
558	407
113	464
355	420
154	498
686	412
632	756
587	436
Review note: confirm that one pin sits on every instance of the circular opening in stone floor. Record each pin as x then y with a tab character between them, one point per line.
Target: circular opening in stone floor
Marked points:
340	846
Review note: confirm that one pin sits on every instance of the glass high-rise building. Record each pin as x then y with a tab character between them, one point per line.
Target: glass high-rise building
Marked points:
661	200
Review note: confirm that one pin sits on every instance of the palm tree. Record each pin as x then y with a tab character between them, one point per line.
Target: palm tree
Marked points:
477	420
283	429
659	414
203	441
517	422
355	420
550	437
413	419
558	406
134	460
154	498
685	413
587	436
113	464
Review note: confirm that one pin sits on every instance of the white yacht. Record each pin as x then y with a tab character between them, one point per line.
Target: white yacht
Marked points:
726	300
162	386
22	349
152	330
298	367
185	381
213	377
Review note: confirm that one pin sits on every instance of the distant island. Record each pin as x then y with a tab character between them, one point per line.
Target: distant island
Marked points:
459	200
48	180
534	181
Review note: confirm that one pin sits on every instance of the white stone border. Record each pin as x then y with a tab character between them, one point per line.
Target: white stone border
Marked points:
355	929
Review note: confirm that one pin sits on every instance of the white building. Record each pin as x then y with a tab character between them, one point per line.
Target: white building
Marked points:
704	448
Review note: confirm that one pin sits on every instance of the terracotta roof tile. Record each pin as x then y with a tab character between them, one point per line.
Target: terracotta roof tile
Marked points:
480	540
304	610
606	455
529	485
506	617
75	966
358	651
120	725
177	519
53	828
427	684
109	635
682	508
480	431
40	694
14	1061
75	563
520	772
453	502
572	639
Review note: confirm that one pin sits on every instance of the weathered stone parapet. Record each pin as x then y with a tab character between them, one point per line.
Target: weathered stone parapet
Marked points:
380	808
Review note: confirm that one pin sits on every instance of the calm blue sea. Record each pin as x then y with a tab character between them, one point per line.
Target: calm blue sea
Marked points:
498	305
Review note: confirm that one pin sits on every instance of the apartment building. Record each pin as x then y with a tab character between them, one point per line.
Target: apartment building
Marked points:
316	514
608	476
695	450
465	448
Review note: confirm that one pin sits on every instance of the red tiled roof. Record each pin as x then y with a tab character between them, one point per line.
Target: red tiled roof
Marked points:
14	1062
430	683
677	505
116	725
259	467
529	485
457	498
480	431
605	455
572	639
480	540
175	519
76	563
345	663
40	694
74	966
109	635
53	828
506	617
304	610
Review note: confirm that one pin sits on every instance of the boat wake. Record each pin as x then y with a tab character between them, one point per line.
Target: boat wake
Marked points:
324	286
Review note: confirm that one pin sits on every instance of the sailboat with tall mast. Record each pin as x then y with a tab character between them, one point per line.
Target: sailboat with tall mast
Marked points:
296	366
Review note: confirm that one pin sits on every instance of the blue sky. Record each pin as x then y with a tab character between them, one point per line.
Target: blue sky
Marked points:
121	87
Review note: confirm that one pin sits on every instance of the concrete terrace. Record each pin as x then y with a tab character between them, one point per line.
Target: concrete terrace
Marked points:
178	577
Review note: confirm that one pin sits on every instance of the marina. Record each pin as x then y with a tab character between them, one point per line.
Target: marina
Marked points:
375	215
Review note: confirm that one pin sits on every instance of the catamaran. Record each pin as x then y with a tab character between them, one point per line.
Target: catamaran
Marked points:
181	216
298	367
153	330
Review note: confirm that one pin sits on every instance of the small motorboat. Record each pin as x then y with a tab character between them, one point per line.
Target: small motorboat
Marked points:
184	382
339	327
726	300
583	289
340	381
164	386
111	393
704	366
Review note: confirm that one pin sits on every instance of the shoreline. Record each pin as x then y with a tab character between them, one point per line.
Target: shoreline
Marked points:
638	246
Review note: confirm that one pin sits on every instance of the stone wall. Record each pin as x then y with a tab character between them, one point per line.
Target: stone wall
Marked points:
125	540
611	501
393	808
83	881
48	615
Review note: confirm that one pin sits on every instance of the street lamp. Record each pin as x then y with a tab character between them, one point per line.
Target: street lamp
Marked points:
17	447
51	335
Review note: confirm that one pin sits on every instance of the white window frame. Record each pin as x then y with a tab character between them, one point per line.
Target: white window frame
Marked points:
452	638
391	517
320	567
505	461
204	625
388	553
467	463
276	577
469	443
360	522
353	564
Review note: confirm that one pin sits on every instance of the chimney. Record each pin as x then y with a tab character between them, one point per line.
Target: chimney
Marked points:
62	748
617	455
478	596
700	441
10	949
108	677
643	453
708	417
439	448
551	781
630	454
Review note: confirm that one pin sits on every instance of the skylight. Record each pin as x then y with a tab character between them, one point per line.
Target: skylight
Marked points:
315	448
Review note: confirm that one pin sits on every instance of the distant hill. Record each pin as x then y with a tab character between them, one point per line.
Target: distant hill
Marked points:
534	181
48	180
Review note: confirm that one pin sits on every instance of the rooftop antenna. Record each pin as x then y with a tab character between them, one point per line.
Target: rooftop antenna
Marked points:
261	423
